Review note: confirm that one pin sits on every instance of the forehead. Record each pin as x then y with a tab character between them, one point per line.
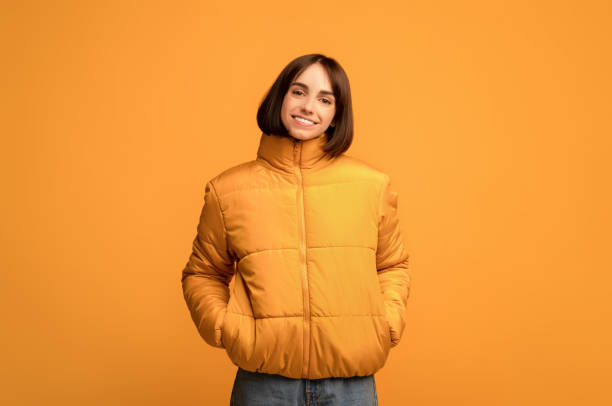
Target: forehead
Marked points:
315	77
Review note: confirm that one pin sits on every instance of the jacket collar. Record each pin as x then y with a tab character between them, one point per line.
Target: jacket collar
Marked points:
288	153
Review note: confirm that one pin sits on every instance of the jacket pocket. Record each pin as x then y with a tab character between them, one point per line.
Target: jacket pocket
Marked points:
386	332
238	332
226	329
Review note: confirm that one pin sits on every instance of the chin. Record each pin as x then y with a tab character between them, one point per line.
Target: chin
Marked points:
304	135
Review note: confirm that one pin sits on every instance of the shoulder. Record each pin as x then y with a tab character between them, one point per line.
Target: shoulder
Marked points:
359	169
232	177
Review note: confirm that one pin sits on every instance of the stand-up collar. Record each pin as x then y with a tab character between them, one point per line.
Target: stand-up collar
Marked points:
288	153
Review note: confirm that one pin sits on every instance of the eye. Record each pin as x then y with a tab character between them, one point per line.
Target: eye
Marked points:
297	91
327	101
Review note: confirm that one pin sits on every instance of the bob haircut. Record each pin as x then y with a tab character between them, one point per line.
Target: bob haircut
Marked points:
340	136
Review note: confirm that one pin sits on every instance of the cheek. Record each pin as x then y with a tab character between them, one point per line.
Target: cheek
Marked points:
285	108
285	116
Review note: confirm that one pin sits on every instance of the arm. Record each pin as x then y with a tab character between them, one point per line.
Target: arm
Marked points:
392	264
206	277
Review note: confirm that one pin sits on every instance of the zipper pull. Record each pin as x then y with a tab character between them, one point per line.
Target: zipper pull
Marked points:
296	146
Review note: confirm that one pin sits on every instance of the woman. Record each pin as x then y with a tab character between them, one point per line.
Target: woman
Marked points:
312	238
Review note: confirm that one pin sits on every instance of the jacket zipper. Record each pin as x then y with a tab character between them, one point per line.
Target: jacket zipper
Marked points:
302	254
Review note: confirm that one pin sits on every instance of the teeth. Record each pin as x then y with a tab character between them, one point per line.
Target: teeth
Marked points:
303	120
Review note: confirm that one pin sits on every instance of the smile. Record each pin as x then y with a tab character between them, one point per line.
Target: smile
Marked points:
303	122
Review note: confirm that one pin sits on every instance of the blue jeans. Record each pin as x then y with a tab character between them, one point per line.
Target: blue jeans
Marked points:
260	389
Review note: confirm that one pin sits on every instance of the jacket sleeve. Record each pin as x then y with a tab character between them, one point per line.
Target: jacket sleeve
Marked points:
392	264
206	277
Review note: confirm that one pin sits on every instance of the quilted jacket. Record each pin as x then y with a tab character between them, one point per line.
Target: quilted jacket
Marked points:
321	270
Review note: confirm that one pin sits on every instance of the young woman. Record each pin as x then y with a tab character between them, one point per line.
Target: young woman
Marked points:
312	238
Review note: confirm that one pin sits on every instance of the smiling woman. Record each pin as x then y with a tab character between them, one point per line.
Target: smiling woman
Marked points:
308	108
311	96
312	238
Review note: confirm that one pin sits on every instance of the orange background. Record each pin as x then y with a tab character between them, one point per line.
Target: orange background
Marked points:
492	119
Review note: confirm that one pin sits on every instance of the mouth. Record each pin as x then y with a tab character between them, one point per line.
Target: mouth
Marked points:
304	122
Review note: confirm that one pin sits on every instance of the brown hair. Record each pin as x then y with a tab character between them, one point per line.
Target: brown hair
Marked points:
340	136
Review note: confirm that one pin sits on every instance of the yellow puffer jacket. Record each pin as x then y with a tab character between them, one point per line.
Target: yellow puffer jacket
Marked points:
321	271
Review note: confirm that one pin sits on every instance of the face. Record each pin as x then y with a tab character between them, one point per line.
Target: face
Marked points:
309	105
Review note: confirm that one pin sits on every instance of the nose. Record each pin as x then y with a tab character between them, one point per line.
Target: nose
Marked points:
307	105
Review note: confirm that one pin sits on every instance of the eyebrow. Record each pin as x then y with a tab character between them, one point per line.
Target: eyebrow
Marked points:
306	87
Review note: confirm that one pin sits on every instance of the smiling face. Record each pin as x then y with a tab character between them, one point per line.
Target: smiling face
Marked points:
309	105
